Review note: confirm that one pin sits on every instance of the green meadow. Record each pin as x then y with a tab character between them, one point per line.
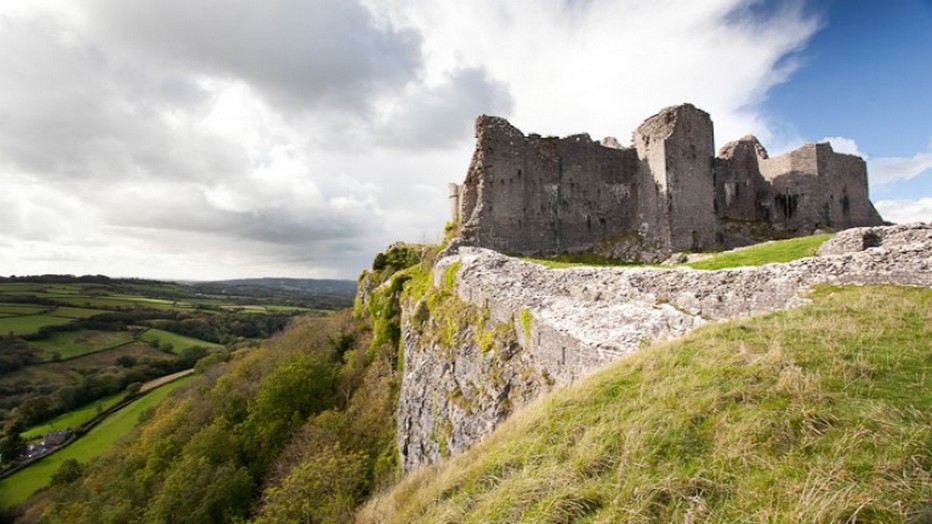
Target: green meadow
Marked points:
21	309
18	487
756	255
178	342
765	253
73	418
29	324
75	312
70	344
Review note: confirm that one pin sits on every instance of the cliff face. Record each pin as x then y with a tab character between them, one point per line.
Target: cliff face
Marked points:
487	333
461	379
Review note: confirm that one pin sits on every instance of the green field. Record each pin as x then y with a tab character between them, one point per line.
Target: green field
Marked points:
75	312
20	288
766	253
70	344
28	324
112	302
73	418
578	259
178	342
21	309
156	303
18	487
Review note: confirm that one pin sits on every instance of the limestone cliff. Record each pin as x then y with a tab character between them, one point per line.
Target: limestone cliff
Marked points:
483	333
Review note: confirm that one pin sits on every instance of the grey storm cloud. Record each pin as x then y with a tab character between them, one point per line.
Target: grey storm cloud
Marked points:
71	111
187	210
90	102
441	116
299	54
231	125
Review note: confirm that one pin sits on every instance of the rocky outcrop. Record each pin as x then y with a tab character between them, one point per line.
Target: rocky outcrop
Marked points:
508	330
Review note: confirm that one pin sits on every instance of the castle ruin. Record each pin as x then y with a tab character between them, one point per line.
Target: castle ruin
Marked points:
667	193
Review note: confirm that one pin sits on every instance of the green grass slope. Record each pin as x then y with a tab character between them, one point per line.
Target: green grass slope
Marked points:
178	342
73	418
765	253
819	414
71	344
18	487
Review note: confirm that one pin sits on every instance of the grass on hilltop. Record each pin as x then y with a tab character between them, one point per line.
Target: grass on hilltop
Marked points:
765	253
819	414
756	255
578	259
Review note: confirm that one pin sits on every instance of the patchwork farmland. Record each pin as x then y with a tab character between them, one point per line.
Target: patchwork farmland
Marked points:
73	348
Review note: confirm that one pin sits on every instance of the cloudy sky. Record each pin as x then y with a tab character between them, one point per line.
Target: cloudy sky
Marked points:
210	139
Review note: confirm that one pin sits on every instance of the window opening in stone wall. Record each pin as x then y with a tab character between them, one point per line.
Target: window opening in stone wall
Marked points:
786	204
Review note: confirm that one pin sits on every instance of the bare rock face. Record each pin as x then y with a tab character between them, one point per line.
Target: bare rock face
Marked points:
565	323
861	238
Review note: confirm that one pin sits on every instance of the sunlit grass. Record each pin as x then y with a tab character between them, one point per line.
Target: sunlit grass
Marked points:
18	487
576	260
73	418
178	342
70	344
819	414
765	253
756	255
29	324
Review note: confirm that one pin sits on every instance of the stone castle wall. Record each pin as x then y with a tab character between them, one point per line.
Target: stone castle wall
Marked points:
668	192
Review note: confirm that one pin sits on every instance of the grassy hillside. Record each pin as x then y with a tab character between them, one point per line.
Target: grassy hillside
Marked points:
17	487
178	342
820	414
73	418
764	253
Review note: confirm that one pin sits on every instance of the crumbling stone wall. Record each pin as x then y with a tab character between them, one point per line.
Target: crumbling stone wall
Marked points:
531	194
538	195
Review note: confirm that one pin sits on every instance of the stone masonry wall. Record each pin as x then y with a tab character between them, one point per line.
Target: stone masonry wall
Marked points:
536	195
533	194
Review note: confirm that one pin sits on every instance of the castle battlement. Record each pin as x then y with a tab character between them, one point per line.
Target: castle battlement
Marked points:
667	192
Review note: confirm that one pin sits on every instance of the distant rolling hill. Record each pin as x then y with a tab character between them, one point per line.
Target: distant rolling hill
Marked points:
309	286
304	292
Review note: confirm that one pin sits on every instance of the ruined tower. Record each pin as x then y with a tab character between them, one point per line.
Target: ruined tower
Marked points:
536	195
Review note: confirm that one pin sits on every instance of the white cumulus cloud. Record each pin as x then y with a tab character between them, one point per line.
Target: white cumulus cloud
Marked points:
903	211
